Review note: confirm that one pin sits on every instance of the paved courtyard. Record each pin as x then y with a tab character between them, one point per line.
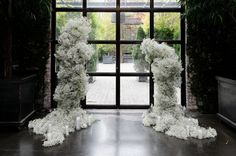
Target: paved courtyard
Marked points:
132	92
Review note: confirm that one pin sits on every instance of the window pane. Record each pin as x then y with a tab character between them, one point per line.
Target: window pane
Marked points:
167	26
134	90
134	26
103	59
62	18
69	3
101	3
103	26
166	3
101	91
135	3
132	59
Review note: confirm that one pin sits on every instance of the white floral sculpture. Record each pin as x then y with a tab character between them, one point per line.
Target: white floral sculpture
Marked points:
166	115
72	55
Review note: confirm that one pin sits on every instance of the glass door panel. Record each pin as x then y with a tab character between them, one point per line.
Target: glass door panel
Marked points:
101	91
134	90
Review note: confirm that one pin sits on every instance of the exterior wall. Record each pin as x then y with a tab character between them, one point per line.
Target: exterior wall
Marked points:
47	84
191	103
191	100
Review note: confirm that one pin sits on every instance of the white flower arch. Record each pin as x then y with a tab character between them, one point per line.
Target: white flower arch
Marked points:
166	115
72	55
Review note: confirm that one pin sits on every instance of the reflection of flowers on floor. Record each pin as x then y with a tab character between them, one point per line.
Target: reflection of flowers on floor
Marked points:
72	55
165	115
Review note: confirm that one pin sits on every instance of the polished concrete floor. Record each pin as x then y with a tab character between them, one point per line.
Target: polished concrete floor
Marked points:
121	133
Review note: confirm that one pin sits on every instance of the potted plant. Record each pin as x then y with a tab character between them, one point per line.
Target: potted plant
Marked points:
24	48
106	54
140	64
92	66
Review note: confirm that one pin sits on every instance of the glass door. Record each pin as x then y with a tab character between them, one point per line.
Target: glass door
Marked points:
119	76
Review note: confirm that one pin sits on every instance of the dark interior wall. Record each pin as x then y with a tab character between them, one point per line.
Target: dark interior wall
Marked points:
30	31
5	37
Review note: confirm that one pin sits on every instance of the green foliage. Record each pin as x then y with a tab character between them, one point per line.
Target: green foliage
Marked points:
102	26
105	49
167	27
93	62
167	23
163	33
211	47
140	63
140	33
93	20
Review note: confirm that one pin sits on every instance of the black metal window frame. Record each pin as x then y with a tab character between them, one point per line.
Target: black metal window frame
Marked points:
151	10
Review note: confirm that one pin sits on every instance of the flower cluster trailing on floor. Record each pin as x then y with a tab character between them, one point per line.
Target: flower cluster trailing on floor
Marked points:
166	115
71	57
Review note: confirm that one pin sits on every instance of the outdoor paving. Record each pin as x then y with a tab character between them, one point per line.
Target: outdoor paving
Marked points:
132	92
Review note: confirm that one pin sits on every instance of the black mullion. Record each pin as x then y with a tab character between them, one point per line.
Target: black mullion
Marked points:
151	81
69	9
127	41
84	13
84	8
139	42
53	37
101	74
134	9
101	41
130	42
166	9
101	9
113	107
183	61
100	106
117	54
134	106
114	74
120	9
169	41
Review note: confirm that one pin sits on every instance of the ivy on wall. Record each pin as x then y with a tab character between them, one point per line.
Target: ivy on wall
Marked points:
211	47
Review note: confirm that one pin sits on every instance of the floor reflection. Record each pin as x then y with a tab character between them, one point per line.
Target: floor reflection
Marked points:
121	133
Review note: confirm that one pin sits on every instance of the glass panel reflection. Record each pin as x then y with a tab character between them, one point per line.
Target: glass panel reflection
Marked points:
134	90
68	3
103	26
166	3
101	91
101	3
135	3
167	26
103	60
134	26
132	59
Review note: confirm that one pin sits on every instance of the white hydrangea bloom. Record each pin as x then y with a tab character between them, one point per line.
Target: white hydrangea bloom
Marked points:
72	55
166	116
